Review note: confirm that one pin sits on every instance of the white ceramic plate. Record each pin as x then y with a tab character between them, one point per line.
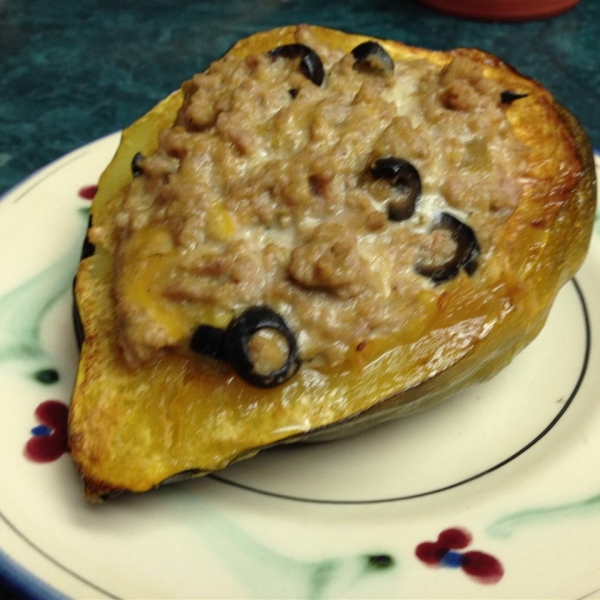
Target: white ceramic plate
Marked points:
494	494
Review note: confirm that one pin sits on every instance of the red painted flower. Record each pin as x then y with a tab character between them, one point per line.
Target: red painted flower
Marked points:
88	192
49	441
445	552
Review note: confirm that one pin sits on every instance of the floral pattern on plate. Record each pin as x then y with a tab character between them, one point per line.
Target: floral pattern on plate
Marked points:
49	439
446	552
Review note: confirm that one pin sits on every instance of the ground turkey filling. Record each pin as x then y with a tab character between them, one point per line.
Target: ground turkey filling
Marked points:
265	192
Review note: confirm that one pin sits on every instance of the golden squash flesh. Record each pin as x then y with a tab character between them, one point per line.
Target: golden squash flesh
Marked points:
134	427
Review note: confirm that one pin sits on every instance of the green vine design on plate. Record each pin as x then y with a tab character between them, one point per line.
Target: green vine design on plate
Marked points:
23	309
506	526
267	572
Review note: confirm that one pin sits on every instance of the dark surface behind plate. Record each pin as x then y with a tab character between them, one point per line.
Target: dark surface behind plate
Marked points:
73	71
9	593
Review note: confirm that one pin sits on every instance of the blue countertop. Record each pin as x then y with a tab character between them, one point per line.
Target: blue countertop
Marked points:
73	71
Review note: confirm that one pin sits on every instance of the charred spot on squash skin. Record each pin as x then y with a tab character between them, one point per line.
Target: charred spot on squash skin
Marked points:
465	256
507	97
406	182
372	58
442	301
311	65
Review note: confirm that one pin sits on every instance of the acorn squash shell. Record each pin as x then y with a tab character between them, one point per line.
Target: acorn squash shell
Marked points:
133	430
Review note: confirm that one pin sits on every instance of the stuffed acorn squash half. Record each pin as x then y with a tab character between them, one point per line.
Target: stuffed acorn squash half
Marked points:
321	232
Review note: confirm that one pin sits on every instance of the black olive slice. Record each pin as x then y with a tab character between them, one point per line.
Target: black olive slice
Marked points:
508	96
208	340
135	164
465	257
88	248
370	56
240	332
310	63
405	180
